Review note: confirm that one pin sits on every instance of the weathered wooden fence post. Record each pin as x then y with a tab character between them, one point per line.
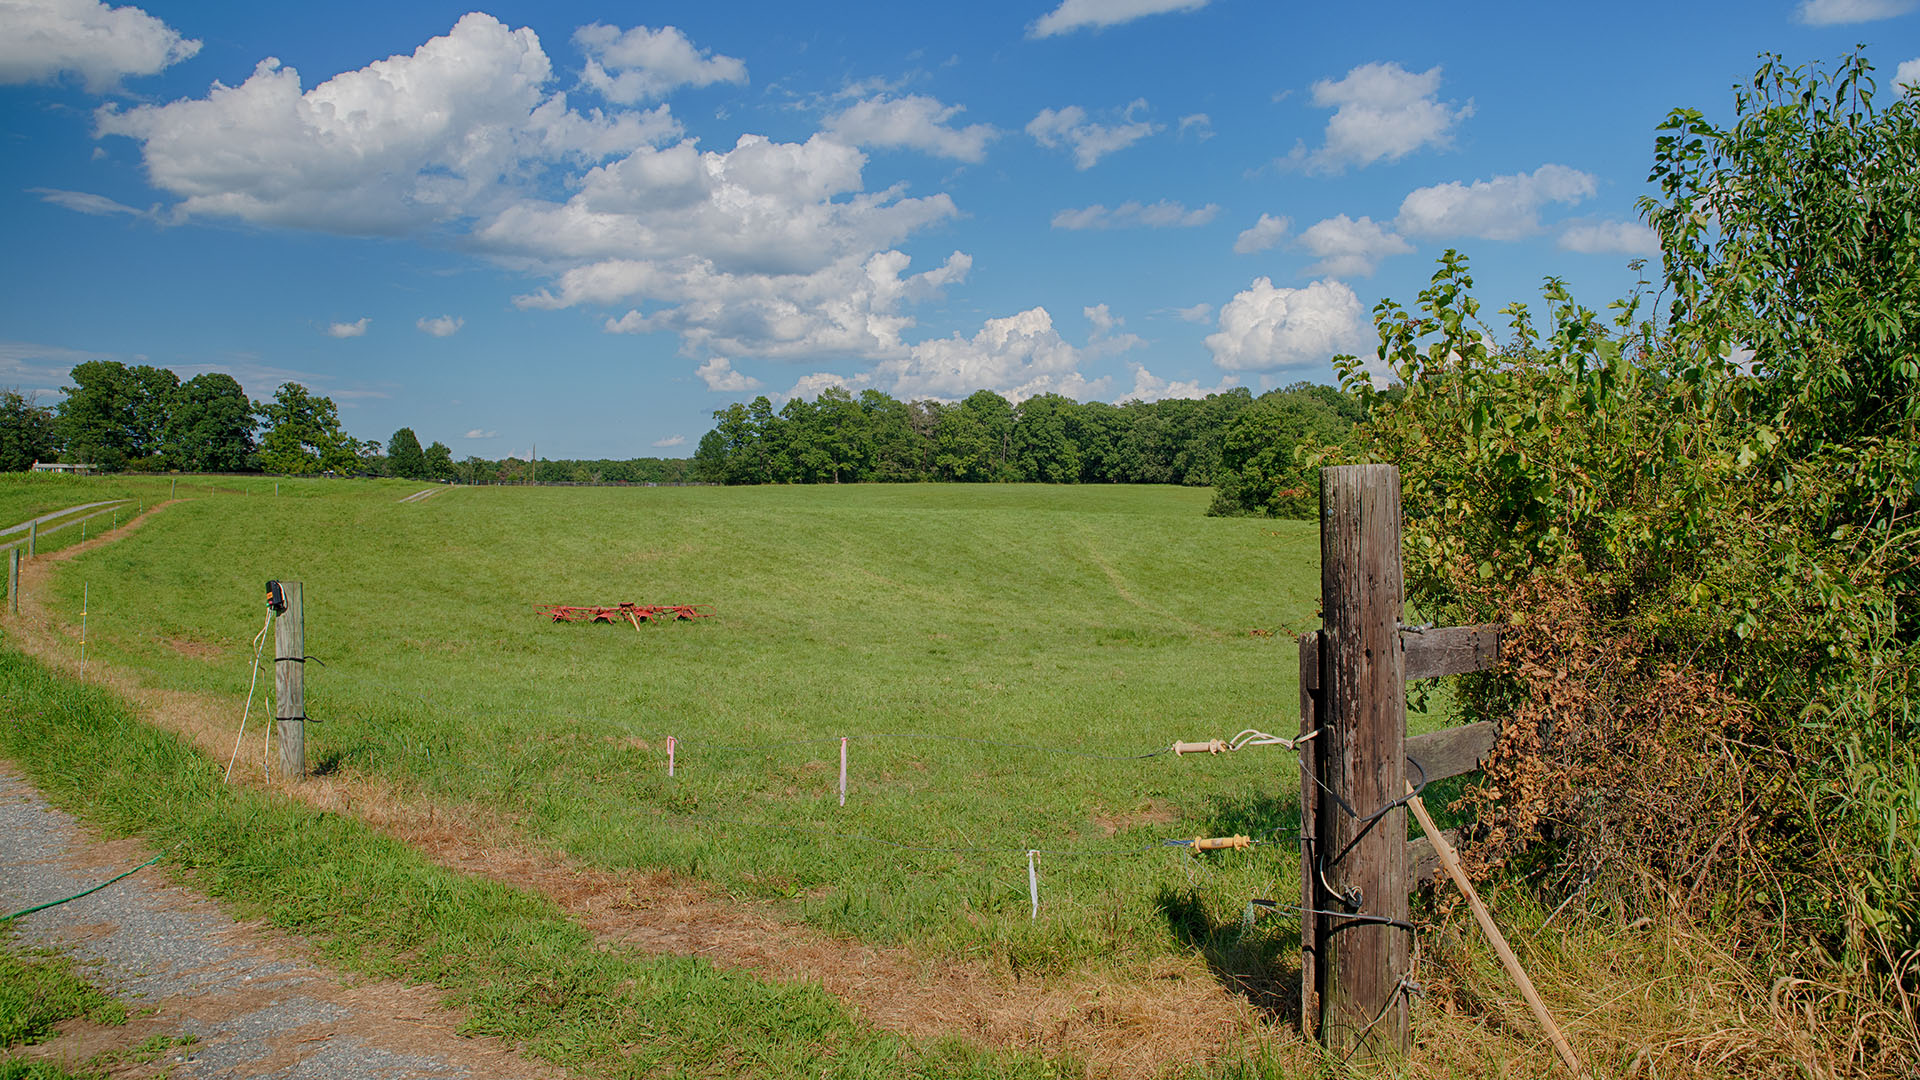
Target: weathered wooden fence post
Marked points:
13	580
33	537
289	684
1359	862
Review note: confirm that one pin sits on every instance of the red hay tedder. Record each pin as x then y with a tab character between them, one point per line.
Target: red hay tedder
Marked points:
628	613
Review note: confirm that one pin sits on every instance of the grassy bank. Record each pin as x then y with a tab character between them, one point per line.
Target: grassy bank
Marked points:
512	961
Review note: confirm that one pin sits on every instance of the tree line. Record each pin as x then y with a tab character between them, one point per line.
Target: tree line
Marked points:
140	418
1233	441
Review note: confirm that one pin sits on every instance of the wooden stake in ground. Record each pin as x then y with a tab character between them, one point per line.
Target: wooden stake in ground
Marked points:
13	581
289	684
1485	918
1361	862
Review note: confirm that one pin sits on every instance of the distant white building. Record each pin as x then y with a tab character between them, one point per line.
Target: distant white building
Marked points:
61	466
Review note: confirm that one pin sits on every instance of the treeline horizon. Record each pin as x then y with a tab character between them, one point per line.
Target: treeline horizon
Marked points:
1240	444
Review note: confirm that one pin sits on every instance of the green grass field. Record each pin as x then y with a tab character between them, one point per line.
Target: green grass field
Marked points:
1102	620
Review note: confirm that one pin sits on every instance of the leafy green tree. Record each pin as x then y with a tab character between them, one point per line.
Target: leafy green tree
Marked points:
896	454
26	432
210	428
439	461
1265	467
405	459
303	435
1043	446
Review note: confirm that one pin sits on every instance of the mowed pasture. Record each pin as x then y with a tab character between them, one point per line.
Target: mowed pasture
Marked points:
1104	621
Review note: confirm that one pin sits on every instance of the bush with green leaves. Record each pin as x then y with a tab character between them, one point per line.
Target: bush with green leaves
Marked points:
1701	529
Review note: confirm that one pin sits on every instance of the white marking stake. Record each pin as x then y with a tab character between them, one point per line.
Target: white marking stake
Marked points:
670	742
843	770
1033	884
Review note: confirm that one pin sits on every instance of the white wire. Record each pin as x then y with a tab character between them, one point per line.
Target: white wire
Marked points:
1251	737
259	643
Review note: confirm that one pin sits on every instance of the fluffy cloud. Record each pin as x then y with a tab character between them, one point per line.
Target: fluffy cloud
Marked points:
1196	313
914	122
1907	75
1089	141
762	207
1019	356
1503	208
477	433
639	64
1610	238
1149	387
442	326
1077	14
401	143
719	375
101	44
1264	328
1107	339
357	328
1834	12
671	440
1382	112
1262	235
1160	215
1348	248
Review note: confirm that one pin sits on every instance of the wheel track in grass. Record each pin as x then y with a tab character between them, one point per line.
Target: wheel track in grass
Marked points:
1132	1023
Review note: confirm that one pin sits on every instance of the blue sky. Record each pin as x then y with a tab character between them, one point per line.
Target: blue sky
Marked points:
587	225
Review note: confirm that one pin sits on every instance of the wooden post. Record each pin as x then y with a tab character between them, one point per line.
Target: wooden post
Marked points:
1360	757
1312	927
13	580
289	685
33	537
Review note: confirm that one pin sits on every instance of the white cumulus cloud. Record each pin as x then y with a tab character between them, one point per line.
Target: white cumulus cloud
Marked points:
719	375
1160	215
1262	234
1264	328
640	64
1200	124
1503	208
403	142
1349	248
1019	356
1090	141
477	433
1079	14
41	39
1382	112
671	440
1610	238
1196	313
357	328
1836	12
441	326
1149	387
1907	75
913	122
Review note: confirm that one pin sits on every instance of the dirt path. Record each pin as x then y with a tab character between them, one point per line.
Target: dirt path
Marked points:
255	1005
1126	1024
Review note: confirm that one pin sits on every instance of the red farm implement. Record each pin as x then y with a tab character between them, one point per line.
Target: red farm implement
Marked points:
627	613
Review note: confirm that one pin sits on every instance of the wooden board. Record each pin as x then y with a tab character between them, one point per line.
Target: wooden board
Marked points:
1422	860
1310	924
1451	751
1450	650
